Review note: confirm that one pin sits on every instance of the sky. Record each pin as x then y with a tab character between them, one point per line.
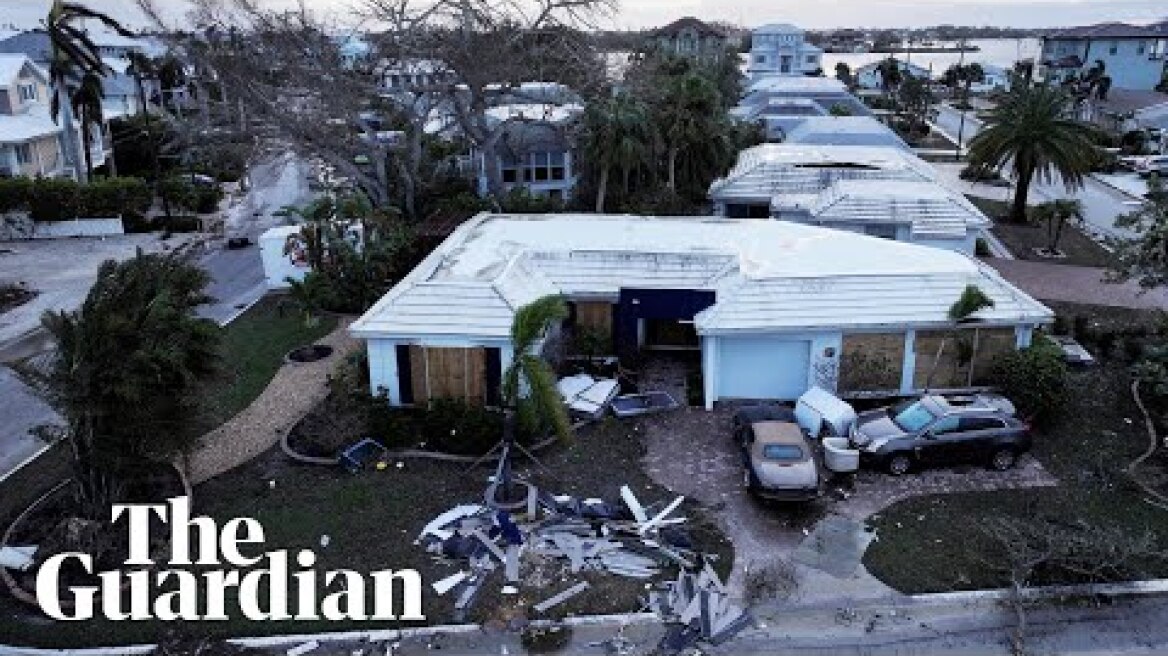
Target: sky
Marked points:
811	14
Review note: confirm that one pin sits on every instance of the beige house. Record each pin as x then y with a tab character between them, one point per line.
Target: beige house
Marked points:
31	142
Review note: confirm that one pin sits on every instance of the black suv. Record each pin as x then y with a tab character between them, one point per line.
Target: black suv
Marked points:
937	431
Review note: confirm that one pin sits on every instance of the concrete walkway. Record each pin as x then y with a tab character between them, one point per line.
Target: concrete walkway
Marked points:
1076	284
293	392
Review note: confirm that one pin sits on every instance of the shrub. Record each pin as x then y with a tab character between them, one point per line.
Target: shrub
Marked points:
979	173
981	248
455	426
58	199
1034	378
14	194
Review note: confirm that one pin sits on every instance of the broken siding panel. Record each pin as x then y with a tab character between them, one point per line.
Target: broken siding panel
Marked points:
871	361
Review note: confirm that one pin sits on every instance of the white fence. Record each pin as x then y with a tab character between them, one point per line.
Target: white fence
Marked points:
20	226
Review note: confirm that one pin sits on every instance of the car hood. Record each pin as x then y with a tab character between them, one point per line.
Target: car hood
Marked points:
799	475
875	428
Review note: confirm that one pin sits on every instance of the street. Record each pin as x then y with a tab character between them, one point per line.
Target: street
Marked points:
237	276
1101	203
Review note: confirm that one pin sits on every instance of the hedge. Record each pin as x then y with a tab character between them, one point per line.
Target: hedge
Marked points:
58	199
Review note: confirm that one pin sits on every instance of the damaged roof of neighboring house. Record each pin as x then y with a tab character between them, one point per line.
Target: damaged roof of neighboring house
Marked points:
932	210
767	275
767	170
844	131
14	65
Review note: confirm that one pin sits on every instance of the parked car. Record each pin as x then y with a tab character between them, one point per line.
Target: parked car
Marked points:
1157	164
235	243
752	414
935	430
779	461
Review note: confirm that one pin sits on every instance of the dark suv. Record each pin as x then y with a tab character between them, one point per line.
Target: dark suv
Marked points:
936	431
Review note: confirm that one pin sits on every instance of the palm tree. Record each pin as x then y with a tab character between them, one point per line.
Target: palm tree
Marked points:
85	101
544	406
142	67
617	134
890	74
74	58
1056	214
694	125
843	73
1032	131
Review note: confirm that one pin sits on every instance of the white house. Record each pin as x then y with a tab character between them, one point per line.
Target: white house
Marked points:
995	78
844	131
782	103
789	177
1133	55
781	49
868	76
773	307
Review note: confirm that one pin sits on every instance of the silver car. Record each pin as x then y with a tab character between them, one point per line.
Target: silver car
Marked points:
780	462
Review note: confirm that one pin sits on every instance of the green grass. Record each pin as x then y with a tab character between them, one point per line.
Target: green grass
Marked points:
938	543
253	350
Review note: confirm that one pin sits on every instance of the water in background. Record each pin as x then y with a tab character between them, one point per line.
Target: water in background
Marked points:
996	52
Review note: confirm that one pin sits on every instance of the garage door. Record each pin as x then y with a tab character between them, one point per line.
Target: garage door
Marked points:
763	368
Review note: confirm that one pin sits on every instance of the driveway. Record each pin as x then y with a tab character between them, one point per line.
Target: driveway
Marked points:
690	451
1076	284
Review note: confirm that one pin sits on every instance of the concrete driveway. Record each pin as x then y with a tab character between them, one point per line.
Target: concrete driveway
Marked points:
691	452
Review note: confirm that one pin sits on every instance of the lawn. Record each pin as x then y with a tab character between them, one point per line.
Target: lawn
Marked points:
372	519
938	543
1080	249
252	351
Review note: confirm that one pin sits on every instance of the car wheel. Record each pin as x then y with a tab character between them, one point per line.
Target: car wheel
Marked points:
899	464
1003	459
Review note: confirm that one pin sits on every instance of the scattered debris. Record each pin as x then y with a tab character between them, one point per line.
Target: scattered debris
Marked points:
555	600
303	648
697	607
18	558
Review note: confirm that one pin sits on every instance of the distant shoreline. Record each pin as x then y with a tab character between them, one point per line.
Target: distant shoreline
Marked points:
896	51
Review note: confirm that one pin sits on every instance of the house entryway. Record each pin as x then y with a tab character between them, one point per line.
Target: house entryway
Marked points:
668	371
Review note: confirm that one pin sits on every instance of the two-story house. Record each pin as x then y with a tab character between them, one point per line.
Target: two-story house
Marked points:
689	37
535	150
1133	55
31	143
781	49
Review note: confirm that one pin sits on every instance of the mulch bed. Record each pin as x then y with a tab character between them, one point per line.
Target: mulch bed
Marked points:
1080	250
13	296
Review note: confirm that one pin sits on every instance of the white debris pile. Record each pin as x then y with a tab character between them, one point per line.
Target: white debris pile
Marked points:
697	607
586	535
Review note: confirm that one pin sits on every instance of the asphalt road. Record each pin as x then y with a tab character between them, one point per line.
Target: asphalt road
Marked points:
1101	203
237	276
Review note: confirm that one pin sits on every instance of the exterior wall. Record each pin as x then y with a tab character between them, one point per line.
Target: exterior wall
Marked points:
781	54
965	356
872	361
47	159
966	245
819	368
1131	63
689	42
434	354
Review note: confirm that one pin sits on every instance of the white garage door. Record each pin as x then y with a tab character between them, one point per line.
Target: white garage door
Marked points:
763	368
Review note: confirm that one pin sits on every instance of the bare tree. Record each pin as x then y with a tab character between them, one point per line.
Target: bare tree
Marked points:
286	70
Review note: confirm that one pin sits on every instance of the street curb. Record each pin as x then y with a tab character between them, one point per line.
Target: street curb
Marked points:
239	312
1128	589
372	635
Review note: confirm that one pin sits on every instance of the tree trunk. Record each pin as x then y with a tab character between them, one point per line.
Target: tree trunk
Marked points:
86	140
1021	192
672	182
601	190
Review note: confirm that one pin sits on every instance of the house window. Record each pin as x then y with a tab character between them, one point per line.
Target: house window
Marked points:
1140	48
1114	49
28	92
23	154
760	59
810	59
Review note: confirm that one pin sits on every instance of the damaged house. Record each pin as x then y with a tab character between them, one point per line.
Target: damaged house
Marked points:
773	307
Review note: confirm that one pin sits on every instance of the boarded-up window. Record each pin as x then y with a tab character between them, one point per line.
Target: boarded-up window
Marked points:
448	373
991	343
594	317
871	362
966	359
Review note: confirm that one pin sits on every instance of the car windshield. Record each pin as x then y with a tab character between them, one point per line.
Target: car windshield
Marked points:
911	417
782	452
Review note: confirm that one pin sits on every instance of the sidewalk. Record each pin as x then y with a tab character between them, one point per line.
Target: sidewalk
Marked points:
1075	284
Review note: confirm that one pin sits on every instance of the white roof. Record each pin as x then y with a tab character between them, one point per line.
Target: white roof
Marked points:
768	275
31	124
548	112
844	131
798	84
778	28
771	169
932	210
